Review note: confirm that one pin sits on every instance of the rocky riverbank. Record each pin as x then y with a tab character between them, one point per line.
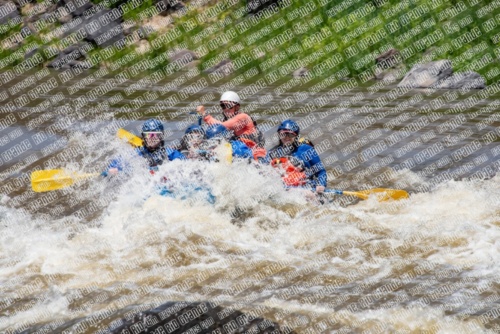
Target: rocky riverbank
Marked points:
277	39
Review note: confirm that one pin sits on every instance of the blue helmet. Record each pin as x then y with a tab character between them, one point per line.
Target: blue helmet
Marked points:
289	125
216	131
152	125
194	128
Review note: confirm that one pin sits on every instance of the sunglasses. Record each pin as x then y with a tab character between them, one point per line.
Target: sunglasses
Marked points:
149	135
227	105
287	135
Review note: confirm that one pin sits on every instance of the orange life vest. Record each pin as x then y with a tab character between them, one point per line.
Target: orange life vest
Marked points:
292	176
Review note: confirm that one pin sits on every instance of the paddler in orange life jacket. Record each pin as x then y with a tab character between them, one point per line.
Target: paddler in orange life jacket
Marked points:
299	161
243	126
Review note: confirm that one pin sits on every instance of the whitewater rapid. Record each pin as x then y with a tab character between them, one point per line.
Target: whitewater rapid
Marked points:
426	263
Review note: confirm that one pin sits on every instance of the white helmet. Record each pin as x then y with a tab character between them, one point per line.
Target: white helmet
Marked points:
230	96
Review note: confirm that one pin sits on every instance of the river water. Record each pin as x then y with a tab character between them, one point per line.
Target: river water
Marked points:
428	264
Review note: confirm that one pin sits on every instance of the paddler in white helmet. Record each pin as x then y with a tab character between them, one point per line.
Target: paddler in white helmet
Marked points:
242	125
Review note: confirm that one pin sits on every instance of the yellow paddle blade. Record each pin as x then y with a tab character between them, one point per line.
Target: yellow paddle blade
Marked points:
129	137
229	152
53	179
382	194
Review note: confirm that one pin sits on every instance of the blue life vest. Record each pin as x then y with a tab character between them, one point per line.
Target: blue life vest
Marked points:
308	158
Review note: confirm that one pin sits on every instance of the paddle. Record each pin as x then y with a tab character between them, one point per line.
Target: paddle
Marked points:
383	194
130	137
53	179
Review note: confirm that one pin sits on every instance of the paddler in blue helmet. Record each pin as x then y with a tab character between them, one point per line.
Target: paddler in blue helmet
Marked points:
191	141
218	134
153	148
299	157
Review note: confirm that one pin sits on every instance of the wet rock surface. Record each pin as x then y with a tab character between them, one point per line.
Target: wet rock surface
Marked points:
470	79
172	318
439	74
427	75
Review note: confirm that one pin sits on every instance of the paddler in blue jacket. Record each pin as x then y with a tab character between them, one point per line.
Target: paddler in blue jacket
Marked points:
302	156
153	149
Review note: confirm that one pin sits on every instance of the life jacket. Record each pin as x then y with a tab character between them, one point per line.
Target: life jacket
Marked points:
291	175
257	151
257	136
154	157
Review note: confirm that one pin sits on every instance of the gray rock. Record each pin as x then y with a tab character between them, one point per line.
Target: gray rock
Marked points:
30	53
170	5
29	25
129	30
301	72
64	60
70	49
390	74
50	9
10	10
21	3
225	67
182	54
174	318
96	35
65	19
79	10
388	59
466	80
79	64
209	320
33	18
427	75
255	6
439	74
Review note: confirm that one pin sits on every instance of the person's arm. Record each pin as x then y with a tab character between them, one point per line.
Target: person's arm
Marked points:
114	167
207	118
237	123
210	120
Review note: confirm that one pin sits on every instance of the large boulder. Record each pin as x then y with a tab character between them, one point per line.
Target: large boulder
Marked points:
427	75
439	74
173	318
466	80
